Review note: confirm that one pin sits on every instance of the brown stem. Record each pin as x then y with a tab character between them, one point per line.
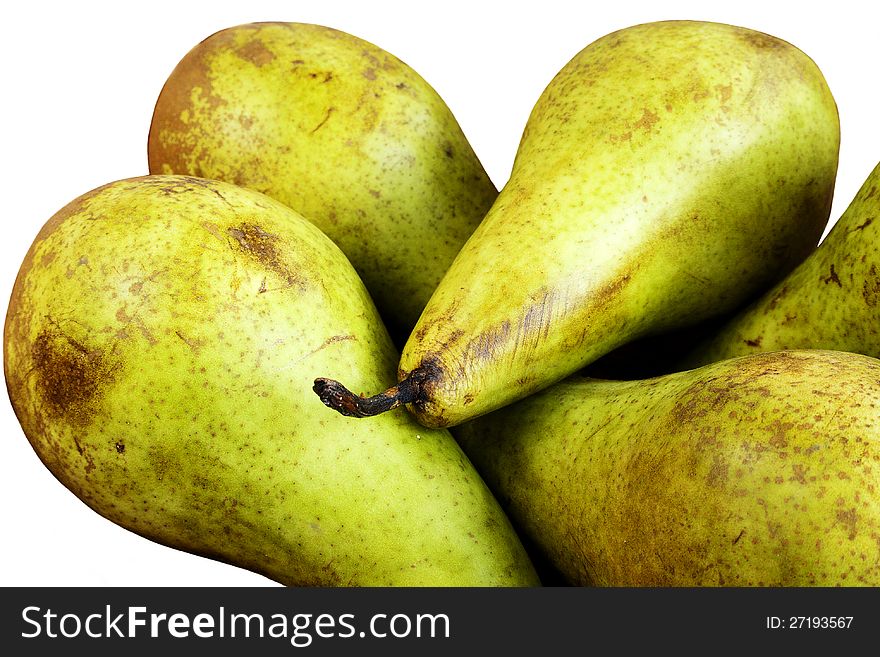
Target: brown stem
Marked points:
344	401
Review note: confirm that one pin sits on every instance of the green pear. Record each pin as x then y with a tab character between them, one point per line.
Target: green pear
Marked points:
159	348
668	172
830	301
341	131
756	471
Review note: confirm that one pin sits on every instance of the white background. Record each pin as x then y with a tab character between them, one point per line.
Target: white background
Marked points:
79	83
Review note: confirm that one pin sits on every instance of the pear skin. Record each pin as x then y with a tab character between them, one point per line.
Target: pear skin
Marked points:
159	348
667	174
756	471
339	130
830	301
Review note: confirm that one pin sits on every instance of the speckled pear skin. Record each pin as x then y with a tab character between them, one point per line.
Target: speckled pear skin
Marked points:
756	471
830	301
339	130
159	350
668	173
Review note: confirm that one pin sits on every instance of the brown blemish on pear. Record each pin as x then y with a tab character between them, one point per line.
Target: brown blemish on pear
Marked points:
263	248
69	375
256	53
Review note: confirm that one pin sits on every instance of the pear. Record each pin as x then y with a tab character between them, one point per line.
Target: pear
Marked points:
341	131
756	471
668	173
159	348
830	301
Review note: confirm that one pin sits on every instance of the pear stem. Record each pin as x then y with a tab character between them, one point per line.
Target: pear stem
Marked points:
344	401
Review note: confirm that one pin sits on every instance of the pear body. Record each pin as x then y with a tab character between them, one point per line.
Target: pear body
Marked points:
159	348
830	301
756	471
668	172
339	130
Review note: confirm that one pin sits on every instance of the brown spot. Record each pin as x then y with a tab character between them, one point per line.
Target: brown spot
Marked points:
70	377
761	40
370	73
871	192
611	290
863	225
754	343
468	398
832	278
701	399
724	92
798	473
256	53
779	439
327	114
739	536
262	248
331	340
777	298
375	193
371	56
718	472
338	338
120	447
194	344
647	121
848	519
447	150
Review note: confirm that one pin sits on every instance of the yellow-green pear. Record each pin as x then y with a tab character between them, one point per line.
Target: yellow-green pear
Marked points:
159	348
341	131
755	471
830	301
668	173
